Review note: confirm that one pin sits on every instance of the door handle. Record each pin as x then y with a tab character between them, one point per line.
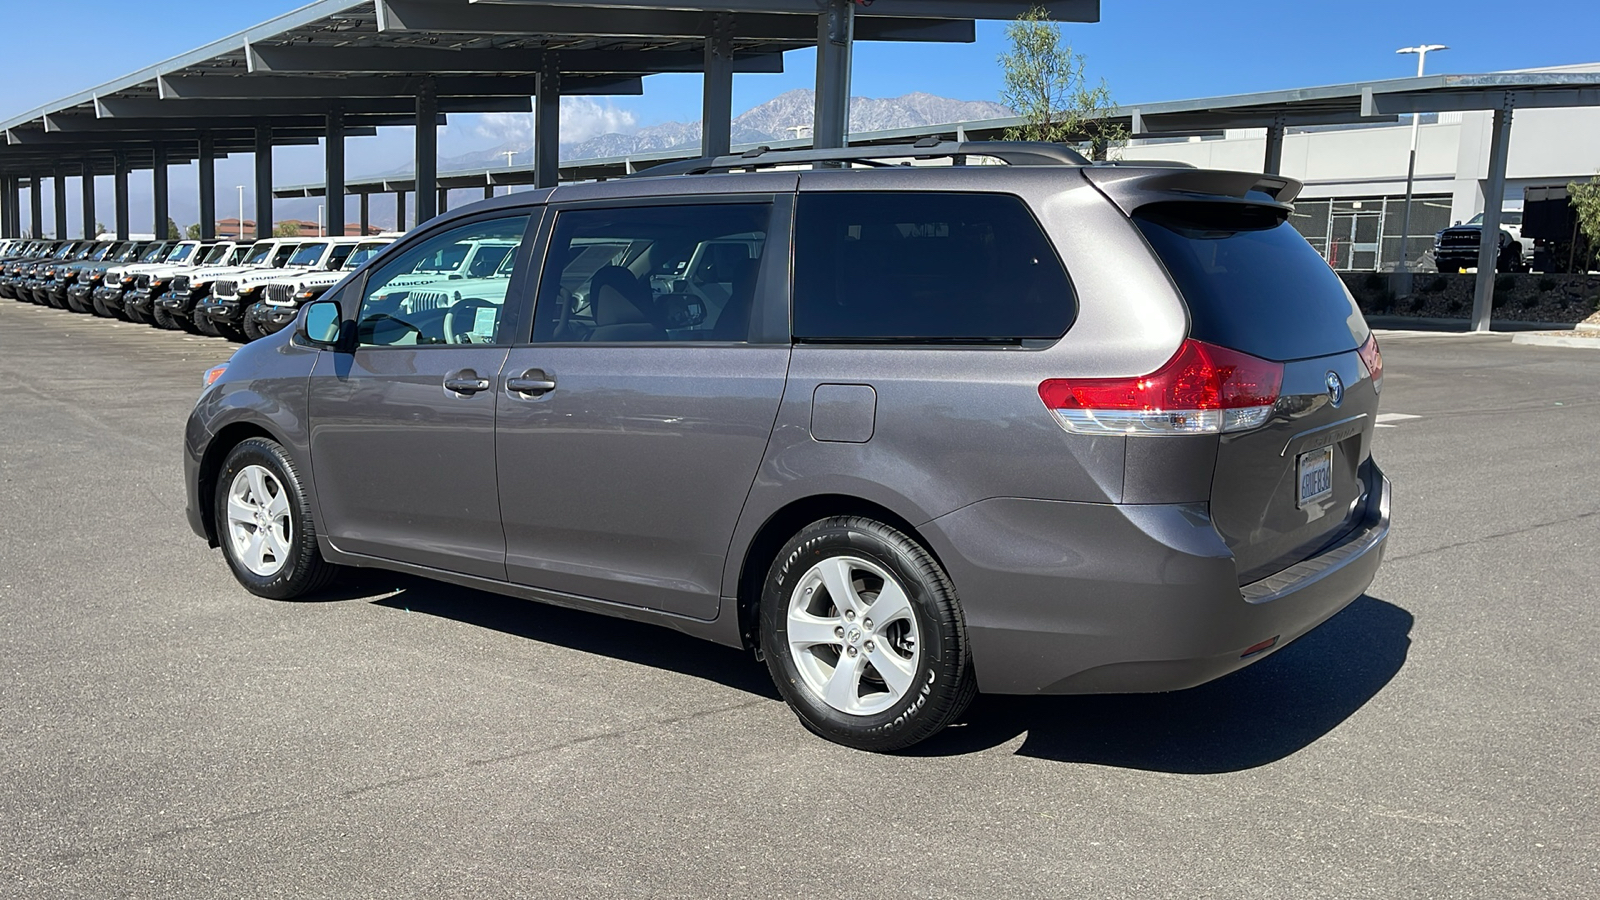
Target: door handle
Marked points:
532	382
465	381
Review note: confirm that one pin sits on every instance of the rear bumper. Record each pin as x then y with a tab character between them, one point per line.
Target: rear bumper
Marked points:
1078	598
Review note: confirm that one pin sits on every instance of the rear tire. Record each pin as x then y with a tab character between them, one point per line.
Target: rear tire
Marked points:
878	685
264	524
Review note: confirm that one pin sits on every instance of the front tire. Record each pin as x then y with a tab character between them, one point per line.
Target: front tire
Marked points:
263	521
162	318
252	330
864	636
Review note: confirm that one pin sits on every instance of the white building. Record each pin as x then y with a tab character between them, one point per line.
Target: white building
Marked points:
1355	175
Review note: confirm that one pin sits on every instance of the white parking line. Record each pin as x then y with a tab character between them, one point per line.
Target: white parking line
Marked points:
1387	420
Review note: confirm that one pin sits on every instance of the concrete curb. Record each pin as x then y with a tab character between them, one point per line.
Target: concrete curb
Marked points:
1557	340
1426	323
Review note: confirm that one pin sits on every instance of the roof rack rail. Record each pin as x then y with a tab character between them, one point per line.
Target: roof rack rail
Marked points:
1015	153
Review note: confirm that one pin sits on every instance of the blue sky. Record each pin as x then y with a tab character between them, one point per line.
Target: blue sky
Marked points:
1147	50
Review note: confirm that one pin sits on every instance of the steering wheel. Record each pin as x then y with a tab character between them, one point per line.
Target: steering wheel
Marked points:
462	316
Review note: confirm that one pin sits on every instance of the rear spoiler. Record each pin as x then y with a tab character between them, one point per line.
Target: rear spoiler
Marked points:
1131	186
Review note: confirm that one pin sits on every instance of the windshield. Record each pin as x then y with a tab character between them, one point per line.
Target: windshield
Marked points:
445	259
308	255
181	253
258	254
130	252
217	254
1507	217
154	254
282	256
363	253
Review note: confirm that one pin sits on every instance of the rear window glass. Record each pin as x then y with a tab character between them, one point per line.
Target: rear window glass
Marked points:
1251	282
926	267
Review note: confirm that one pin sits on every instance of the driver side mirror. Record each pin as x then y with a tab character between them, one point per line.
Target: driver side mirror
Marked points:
321	324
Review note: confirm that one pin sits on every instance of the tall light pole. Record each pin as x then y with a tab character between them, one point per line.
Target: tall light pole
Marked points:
240	220
1422	51
320	211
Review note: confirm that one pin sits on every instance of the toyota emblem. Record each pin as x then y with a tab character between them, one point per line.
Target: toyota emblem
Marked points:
1335	389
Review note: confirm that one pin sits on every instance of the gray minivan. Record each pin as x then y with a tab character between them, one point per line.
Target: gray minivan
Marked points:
1002	420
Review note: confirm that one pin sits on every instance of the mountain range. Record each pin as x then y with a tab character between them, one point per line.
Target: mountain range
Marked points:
784	117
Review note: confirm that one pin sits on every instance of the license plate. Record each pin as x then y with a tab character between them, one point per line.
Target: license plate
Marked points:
1316	476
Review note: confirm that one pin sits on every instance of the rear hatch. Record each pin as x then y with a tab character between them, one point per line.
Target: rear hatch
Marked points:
1285	490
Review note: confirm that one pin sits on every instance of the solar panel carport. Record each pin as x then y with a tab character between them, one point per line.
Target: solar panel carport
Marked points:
337	68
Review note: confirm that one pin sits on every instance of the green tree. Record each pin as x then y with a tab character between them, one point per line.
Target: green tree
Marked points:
192	232
287	229
173	233
1044	82
99	227
1586	202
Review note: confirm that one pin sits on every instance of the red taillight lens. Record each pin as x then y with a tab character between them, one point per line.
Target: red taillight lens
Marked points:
1372	358
1203	389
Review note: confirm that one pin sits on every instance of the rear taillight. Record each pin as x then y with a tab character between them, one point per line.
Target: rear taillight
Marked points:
1373	360
1204	389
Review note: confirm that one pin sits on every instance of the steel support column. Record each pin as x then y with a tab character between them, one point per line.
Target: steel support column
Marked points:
427	151
59	184
488	191
399	210
1494	196
160	194
716	118
119	189
1273	164
86	184
6	199
835	39
263	182
333	165
13	189
444	200
36	205
207	164
366	213
547	125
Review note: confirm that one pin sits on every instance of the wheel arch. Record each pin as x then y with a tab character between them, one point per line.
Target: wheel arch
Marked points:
217	450
784	523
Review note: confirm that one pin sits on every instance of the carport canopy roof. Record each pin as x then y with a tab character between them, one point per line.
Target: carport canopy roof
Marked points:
367	59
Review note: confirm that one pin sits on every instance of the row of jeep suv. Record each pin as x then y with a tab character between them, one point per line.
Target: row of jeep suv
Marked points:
219	288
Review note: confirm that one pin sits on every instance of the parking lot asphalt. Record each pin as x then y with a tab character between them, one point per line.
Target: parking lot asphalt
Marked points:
165	734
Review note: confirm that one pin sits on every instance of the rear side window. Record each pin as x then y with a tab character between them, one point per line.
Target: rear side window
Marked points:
926	267
1251	282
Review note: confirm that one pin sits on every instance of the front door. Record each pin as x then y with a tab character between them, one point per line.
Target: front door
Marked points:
402	428
631	427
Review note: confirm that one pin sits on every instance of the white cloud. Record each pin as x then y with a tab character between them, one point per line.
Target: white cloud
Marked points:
582	118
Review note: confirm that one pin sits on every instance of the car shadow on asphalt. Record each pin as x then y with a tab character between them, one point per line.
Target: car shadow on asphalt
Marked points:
1256	716
1253	717
633	642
